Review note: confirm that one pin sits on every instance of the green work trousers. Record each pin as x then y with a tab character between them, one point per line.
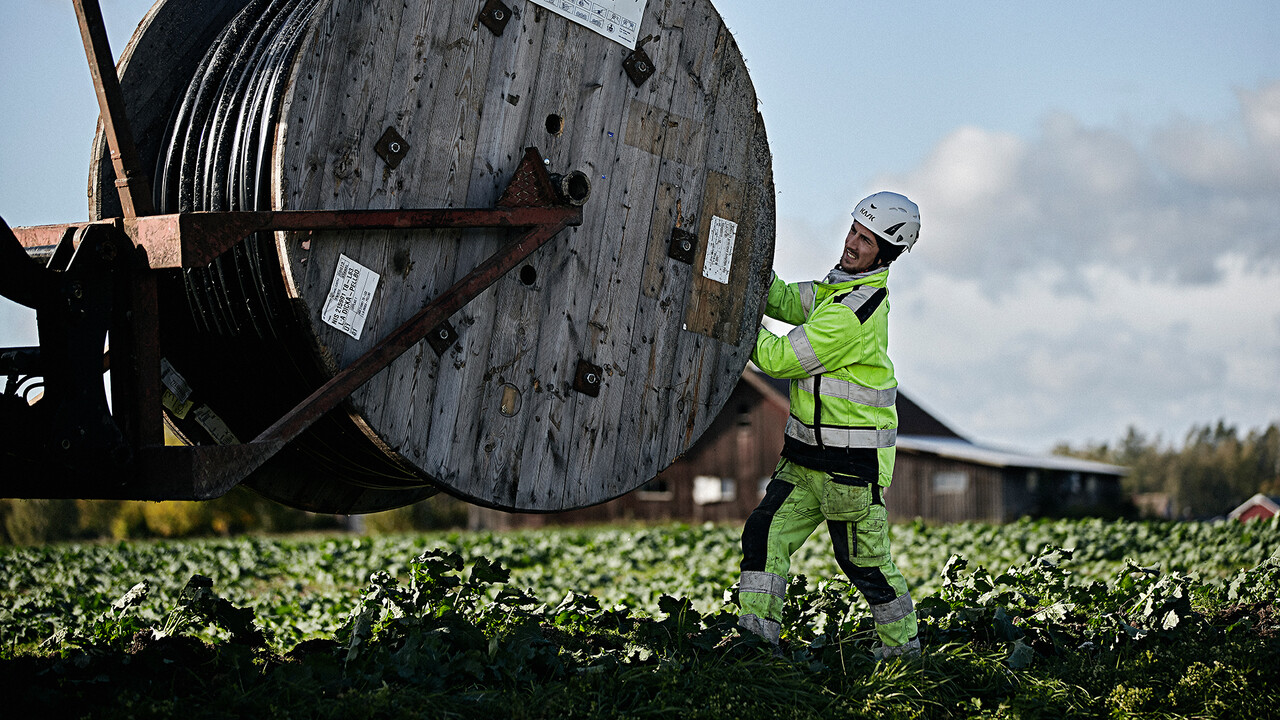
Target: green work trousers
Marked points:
795	501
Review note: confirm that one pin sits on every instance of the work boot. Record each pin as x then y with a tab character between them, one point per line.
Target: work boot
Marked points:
768	629
909	650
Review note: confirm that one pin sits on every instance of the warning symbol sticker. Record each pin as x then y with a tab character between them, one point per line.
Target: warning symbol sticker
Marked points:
618	20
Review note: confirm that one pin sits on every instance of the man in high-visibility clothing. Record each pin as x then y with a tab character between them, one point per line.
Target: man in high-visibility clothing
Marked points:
837	457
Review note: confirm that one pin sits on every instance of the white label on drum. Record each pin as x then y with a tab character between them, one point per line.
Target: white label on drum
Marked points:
618	20
215	426
719	249
350	296
174	381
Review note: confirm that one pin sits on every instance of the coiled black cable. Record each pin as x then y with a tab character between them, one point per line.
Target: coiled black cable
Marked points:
217	154
247	348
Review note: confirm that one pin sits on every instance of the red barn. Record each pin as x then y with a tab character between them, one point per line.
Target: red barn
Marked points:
939	476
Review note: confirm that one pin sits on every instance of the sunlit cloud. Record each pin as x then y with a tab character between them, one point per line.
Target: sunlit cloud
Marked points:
1166	204
1084	279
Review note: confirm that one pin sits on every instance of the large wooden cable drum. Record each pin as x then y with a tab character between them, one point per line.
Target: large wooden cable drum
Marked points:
571	380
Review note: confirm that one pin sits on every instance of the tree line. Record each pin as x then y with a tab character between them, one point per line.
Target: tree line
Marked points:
1214	470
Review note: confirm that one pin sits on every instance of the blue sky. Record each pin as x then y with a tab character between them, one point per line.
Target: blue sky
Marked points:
1098	186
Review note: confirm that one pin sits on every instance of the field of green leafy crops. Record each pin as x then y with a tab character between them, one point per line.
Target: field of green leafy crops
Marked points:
1034	619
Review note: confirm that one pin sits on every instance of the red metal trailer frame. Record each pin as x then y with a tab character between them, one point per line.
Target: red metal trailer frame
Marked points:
100	277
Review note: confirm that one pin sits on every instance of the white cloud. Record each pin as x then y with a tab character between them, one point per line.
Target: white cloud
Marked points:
1262	122
1035	366
1168	205
1073	283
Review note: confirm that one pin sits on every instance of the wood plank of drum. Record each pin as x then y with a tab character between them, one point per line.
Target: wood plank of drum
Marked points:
505	119
708	358
601	446
665	283
575	61
434	99
525	313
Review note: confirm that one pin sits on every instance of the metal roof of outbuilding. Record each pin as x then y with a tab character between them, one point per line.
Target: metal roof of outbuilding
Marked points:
961	449
920	431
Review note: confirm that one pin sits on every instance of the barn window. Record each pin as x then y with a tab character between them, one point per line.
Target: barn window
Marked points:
656	489
708	489
950	482
1033	481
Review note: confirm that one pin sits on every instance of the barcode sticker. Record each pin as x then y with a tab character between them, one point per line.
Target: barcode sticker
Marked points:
350	296
719	258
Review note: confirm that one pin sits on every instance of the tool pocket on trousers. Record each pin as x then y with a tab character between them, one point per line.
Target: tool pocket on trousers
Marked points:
872	537
845	502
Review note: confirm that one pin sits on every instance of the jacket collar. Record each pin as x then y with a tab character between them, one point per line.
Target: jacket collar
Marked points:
838	276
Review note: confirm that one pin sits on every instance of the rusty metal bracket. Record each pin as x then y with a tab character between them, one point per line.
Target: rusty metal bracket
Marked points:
132	184
495	15
683	246
391	147
156	472
638	66
587	378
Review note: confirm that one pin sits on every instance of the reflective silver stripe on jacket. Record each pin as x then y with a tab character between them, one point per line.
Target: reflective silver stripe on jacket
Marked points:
843	389
806	297
842	437
755	581
858	296
804	351
892	611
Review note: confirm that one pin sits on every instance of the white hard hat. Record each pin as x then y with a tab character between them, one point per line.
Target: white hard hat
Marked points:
891	216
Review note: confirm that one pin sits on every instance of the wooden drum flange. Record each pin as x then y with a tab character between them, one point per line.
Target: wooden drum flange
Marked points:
572	379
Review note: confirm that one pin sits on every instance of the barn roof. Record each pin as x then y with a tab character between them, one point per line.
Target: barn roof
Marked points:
961	449
1270	502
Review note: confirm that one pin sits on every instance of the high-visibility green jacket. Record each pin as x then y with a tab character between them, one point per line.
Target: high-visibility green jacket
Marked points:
843	391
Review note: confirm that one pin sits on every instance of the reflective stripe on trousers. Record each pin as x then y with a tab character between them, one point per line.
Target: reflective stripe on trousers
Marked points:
763	582
788	514
892	611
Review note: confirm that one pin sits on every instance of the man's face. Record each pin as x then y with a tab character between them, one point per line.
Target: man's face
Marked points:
860	249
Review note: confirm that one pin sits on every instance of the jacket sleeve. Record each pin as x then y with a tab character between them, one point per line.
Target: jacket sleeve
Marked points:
833	337
786	302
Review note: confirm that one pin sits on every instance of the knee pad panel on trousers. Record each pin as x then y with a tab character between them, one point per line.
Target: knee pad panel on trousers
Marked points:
872	583
862	572
755	533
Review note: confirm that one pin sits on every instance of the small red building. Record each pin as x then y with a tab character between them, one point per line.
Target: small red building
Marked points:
1258	507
